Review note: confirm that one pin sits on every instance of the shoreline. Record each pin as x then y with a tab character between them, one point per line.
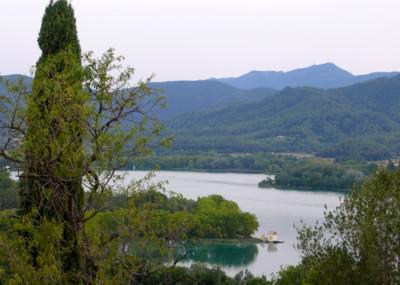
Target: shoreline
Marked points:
304	189
235	171
255	240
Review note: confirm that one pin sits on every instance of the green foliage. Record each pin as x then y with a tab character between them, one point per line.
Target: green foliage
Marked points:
201	275
220	218
119	247
208	217
53	148
291	275
313	174
130	244
153	229
33	257
357	149
358	241
214	162
53	143
58	30
78	125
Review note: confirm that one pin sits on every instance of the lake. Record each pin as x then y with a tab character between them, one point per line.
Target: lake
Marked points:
277	210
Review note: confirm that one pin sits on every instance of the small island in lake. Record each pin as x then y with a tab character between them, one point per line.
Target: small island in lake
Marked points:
318	174
210	217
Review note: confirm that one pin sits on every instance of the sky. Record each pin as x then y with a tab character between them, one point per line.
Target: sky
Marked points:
199	39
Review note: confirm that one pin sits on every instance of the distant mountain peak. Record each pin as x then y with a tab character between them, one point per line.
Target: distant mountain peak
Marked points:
328	66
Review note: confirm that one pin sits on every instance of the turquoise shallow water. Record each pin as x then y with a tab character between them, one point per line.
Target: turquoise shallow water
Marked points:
277	210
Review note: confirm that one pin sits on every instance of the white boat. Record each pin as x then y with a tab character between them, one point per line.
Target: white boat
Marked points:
271	237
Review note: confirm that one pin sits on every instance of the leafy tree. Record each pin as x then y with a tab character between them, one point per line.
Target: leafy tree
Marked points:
209	217
80	124
53	151
77	126
201	275
58	31
220	218
358	242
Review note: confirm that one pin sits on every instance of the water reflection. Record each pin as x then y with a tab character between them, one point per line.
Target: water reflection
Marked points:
275	209
271	247
224	253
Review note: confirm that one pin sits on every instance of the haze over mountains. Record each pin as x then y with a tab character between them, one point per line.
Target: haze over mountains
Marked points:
360	120
193	96
14	78
326	75
190	96
185	97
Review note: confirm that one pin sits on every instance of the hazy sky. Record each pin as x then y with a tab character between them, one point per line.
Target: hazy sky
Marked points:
195	39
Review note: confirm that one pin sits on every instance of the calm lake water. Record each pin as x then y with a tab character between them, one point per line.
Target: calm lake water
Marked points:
277	210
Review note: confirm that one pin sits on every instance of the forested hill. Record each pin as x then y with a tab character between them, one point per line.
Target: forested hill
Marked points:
326	75
360	121
193	96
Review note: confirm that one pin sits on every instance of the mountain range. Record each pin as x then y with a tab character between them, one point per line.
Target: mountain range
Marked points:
358	121
294	111
326	75
184	97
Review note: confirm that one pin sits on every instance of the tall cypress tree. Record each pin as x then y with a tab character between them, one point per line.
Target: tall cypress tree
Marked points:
51	186
58	30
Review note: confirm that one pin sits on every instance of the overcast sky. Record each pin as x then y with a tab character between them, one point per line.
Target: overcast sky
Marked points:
197	39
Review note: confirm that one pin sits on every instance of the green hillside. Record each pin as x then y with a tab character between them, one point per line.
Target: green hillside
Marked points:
185	97
361	120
